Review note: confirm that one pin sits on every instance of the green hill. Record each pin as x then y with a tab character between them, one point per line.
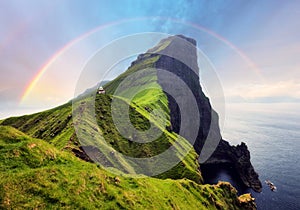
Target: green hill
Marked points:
35	174
56	127
45	164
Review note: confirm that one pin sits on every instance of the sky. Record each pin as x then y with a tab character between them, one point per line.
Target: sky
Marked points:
254	46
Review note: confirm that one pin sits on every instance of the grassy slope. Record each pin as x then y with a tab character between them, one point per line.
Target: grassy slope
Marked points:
56	125
152	97
43	173
188	168
35	174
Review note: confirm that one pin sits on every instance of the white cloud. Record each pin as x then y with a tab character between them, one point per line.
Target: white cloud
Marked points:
281	90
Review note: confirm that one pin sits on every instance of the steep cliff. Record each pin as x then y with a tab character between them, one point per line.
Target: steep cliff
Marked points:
178	55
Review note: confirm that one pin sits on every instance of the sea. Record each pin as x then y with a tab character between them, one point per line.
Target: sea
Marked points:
272	134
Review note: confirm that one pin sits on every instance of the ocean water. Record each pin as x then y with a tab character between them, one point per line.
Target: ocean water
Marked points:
272	133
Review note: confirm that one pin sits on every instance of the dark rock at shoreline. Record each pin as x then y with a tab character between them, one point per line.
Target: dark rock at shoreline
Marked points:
239	157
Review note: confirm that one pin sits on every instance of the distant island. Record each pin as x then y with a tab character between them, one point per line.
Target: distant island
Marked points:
45	164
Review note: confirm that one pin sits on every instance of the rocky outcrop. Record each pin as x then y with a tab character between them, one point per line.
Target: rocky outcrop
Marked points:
246	201
239	157
178	55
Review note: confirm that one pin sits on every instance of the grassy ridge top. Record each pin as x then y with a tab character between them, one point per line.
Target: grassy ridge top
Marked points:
35	174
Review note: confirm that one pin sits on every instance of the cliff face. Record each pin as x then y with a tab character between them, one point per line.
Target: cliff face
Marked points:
179	56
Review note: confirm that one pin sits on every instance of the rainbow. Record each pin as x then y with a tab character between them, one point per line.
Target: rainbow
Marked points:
44	68
54	57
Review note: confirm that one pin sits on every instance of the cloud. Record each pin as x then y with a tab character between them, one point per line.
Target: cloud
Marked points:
281	91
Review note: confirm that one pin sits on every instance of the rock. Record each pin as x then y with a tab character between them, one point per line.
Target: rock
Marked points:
117	180
32	145
80	153
186	68
239	157
246	201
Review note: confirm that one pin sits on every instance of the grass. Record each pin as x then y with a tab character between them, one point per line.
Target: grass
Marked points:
48	125
39	169
187	168
35	174
56	127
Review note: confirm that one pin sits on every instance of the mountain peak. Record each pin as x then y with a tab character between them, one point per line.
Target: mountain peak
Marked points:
178	55
191	40
175	49
179	41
